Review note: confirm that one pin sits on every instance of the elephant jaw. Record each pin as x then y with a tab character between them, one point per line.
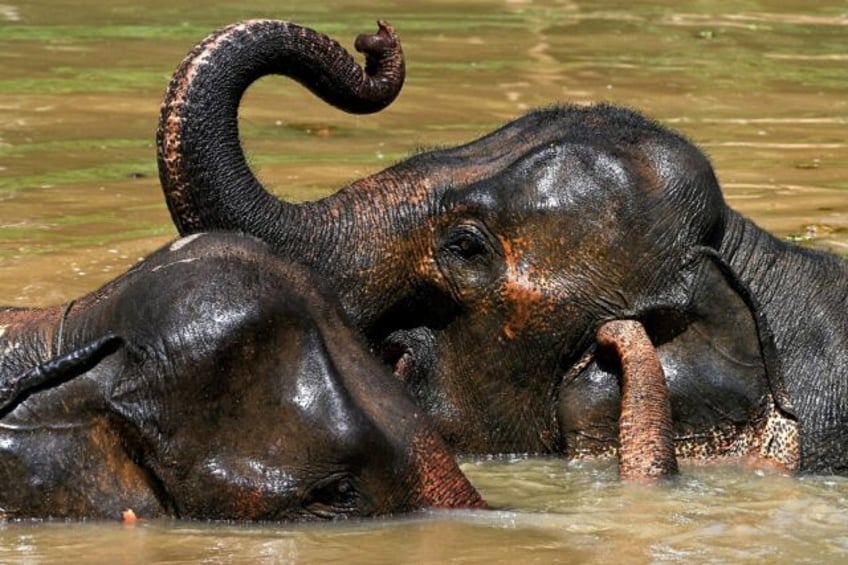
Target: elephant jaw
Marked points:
623	408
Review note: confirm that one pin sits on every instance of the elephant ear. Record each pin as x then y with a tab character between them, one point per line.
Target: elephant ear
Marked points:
721	364
55	371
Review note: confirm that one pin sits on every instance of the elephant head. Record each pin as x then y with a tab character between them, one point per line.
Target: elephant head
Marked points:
212	381
482	272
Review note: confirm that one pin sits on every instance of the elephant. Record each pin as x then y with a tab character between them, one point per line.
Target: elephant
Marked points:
483	273
213	380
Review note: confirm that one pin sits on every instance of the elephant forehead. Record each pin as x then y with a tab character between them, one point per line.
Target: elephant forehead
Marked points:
555	180
565	177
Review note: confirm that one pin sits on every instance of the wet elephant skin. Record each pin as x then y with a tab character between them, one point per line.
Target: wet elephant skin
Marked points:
482	272
212	381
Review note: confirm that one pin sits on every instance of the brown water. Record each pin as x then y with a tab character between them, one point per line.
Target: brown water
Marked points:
554	512
761	86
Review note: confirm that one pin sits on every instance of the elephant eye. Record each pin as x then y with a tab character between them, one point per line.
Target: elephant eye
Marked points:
334	497
468	243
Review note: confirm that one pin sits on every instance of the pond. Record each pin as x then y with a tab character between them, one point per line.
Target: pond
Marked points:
760	86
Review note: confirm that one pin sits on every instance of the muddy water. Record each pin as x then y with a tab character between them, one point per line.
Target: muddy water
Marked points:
551	512
761	86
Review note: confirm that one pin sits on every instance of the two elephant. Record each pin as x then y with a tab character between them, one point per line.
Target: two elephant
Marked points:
494	279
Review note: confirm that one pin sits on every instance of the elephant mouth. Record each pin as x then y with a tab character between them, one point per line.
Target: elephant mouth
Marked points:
398	357
588	405
411	354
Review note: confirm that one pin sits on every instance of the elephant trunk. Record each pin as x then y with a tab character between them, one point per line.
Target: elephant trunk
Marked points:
646	436
438	480
197	139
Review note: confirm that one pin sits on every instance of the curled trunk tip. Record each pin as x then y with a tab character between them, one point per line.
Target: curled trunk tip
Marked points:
205	176
379	44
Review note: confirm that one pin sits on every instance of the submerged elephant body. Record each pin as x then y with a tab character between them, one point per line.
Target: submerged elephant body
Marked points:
211	381
482	272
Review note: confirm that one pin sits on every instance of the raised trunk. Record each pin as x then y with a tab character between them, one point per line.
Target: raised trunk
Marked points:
646	436
367	239
803	295
204	174
207	182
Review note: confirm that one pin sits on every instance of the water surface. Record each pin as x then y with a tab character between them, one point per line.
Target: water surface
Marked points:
760	86
551	512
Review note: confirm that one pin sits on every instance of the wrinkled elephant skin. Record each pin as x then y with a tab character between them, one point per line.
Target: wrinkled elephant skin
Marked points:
211	381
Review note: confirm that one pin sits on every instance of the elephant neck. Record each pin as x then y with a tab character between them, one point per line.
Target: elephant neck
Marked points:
780	275
803	295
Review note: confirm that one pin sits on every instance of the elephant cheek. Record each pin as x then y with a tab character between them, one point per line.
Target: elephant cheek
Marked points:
437	480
